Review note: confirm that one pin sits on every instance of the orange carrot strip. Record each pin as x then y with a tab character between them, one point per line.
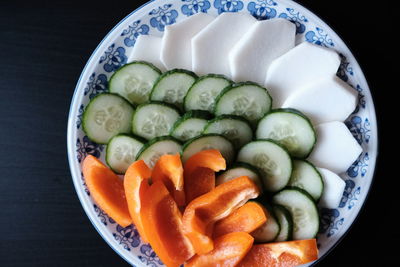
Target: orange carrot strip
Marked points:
247	218
201	214
162	223
287	254
136	182
228	251
107	190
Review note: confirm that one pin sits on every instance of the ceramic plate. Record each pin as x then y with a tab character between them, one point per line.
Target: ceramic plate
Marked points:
151	18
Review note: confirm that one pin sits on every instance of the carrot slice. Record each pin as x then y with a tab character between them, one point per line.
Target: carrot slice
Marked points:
107	190
287	254
201	214
199	182
162	223
169	170
136	182
228	251
210	158
247	218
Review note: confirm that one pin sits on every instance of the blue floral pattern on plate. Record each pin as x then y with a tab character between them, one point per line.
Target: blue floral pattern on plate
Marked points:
133	31
162	16
295	17
192	7
262	9
228	5
152	19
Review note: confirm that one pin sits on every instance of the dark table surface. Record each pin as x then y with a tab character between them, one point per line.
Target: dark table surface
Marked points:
43	48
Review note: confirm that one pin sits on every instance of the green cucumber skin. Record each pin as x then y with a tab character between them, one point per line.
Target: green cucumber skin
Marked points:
316	170
156	140
293	188
138	138
110	82
167	73
84	115
199	79
288	217
187	143
300	114
198	114
148	103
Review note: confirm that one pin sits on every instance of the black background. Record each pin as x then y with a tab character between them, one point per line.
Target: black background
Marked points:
43	49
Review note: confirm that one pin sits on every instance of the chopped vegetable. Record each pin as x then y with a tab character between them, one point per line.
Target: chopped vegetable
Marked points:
106	189
201	214
136	182
169	170
162	223
288	254
199	182
228	251
247	218
210	158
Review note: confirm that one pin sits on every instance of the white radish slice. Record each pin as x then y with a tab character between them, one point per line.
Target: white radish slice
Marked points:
333	189
336	148
176	48
266	40
211	46
326	100
300	67
147	48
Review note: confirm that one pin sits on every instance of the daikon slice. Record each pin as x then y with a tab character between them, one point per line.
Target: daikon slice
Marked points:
336	148
147	48
333	189
329	99
176	48
211	46
266	40
301	66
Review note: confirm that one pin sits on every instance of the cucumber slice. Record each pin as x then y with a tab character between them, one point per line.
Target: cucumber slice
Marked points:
155	148
235	128
247	99
122	151
285	221
202	94
303	210
240	169
271	159
269	231
134	81
291	129
154	119
190	125
209	141
106	115
307	177
172	86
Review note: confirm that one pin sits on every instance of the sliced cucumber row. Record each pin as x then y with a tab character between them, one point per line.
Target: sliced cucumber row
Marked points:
285	221
122	151
247	99
209	141
134	81
155	148
190	125
235	128
291	129
154	119
106	116
172	86
270	230
202	94
272	160
302	209
240	169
